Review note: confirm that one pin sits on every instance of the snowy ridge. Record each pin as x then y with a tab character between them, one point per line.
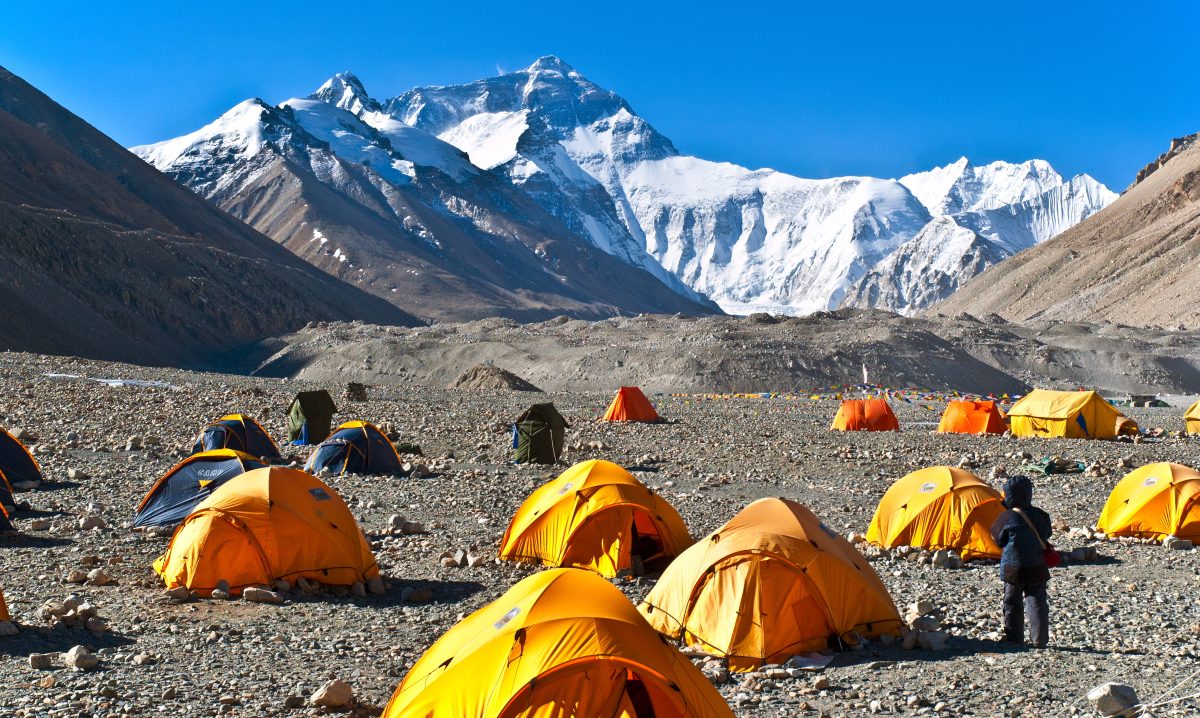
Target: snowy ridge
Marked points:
749	240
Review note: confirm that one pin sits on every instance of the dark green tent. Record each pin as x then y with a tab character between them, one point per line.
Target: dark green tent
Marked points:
310	417
538	435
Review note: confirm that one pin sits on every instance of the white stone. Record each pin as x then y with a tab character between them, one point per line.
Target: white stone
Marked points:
333	694
1113	699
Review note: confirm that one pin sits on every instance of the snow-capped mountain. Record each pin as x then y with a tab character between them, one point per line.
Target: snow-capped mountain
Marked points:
548	147
398	212
751	240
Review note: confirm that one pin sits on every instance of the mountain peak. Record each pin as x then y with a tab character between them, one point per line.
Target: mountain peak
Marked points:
550	63
346	91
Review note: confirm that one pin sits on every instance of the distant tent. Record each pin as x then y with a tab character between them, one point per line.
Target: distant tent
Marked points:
597	516
1191	418
309	417
17	468
1070	414
1154	501
538	435
630	404
561	643
939	508
268	524
240	433
357	447
773	582
972	417
865	415
188	483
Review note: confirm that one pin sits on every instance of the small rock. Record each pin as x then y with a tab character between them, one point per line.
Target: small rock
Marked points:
39	525
255	594
77	576
76	474
8	628
80	658
98	577
1113	699
1177	544
169	694
143	659
87	523
333	694
375	585
408	528
292	702
821	684
42	661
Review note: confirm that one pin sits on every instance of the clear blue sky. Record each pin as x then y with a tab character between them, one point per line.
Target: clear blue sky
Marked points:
831	89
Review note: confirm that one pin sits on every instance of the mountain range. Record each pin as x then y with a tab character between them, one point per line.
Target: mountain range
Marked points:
106	257
538	192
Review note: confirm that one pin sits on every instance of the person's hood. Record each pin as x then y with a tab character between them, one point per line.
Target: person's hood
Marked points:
1018	493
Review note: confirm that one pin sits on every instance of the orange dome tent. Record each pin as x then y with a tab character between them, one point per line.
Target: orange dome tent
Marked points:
972	417
1191	418
630	404
771	583
268	524
597	516
939	508
865	415
1155	501
562	643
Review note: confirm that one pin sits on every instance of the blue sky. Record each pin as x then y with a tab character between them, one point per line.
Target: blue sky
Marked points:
844	88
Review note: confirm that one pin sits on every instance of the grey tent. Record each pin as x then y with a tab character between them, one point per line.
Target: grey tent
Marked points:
310	417
538	435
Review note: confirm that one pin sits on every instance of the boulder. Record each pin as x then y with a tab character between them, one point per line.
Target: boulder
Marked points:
334	694
80	658
1113	700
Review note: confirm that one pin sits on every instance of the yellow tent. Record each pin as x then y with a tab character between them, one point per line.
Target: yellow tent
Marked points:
596	515
939	508
562	643
1070	414
267	524
771	583
1155	501
1191	418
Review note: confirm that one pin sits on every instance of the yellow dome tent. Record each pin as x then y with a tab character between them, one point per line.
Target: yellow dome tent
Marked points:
1191	418
562	643
267	524
939	508
1070	414
771	583
1155	501
596	515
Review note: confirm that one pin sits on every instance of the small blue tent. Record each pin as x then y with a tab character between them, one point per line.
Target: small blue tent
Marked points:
240	433
357	447
188	483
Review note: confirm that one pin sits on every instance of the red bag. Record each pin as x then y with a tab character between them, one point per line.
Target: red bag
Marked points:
1049	554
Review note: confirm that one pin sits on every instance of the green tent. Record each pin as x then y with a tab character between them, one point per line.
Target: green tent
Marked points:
538	435
310	417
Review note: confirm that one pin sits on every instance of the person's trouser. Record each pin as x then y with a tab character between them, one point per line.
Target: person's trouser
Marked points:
1026	599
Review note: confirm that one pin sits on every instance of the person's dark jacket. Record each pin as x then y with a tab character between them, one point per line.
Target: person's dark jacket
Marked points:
1021	560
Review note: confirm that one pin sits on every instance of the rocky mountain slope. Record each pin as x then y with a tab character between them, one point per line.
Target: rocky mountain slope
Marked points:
1136	263
402	214
751	240
755	353
106	257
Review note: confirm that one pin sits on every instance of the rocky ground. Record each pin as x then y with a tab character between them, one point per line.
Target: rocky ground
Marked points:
1132	616
755	353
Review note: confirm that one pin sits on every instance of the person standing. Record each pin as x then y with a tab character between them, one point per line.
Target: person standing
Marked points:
1023	532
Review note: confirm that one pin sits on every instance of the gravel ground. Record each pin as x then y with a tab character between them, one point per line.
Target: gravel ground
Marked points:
1132	616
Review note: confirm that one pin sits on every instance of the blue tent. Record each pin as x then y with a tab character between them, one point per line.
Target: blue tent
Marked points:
357	447
188	483
237	432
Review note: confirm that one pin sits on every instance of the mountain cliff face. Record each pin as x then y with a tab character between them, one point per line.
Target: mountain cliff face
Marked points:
1136	263
751	240
394	210
107	258
546	153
